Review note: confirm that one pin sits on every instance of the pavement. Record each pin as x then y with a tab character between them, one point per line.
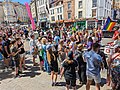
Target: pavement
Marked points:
34	79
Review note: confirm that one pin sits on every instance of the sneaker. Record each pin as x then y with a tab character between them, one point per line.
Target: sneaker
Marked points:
20	72
17	76
25	68
35	64
6	69
49	73
53	84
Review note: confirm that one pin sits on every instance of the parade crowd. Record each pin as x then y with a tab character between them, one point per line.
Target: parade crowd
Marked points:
69	53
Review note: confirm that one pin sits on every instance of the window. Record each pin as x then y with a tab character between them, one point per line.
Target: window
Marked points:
52	12
80	14
80	4
69	15
60	9
94	3
57	10
105	3
93	12
105	13
69	4
53	18
60	17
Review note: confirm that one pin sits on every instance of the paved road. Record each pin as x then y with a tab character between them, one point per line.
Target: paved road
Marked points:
34	79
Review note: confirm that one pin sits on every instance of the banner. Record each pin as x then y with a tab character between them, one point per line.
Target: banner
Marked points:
30	16
109	24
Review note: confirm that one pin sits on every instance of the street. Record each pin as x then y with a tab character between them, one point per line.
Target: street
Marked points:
34	79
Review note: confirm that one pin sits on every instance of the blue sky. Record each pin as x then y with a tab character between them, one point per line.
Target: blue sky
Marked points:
21	1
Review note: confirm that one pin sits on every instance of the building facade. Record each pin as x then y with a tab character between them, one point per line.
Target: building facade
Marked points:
9	12
56	11
69	10
43	12
116	4
1	13
12	12
33	10
21	12
92	11
116	9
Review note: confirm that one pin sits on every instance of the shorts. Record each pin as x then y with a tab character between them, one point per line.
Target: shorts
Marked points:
41	59
71	82
22	55
97	78
6	56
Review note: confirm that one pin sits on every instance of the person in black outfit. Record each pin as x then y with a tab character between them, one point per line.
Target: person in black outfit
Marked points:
52	60
69	71
6	50
16	56
82	64
102	54
22	53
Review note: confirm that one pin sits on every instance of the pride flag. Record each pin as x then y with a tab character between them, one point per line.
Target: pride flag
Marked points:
109	24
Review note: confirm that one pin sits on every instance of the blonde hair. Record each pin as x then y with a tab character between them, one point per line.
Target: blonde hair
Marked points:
44	40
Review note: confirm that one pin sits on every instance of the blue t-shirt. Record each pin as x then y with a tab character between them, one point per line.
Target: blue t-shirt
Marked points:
89	45
93	63
57	39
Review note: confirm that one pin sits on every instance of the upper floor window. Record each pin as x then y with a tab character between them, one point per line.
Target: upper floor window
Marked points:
94	3
69	4
52	12
60	9
80	14
80	4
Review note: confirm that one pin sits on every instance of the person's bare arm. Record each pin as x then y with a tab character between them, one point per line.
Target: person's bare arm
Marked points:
13	54
48	57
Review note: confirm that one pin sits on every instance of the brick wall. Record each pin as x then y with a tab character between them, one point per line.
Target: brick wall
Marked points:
72	10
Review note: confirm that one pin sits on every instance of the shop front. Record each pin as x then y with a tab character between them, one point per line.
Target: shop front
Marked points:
43	22
81	25
69	23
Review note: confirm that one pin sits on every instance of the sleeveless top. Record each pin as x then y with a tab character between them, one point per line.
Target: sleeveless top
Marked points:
22	49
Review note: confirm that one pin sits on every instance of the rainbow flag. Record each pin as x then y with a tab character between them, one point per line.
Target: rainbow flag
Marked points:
109	24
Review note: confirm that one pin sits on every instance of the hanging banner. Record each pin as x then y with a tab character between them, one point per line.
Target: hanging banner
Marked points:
30	16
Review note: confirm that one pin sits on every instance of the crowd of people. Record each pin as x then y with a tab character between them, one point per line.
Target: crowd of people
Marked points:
67	53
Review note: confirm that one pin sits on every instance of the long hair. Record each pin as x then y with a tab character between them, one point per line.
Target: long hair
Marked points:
50	55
